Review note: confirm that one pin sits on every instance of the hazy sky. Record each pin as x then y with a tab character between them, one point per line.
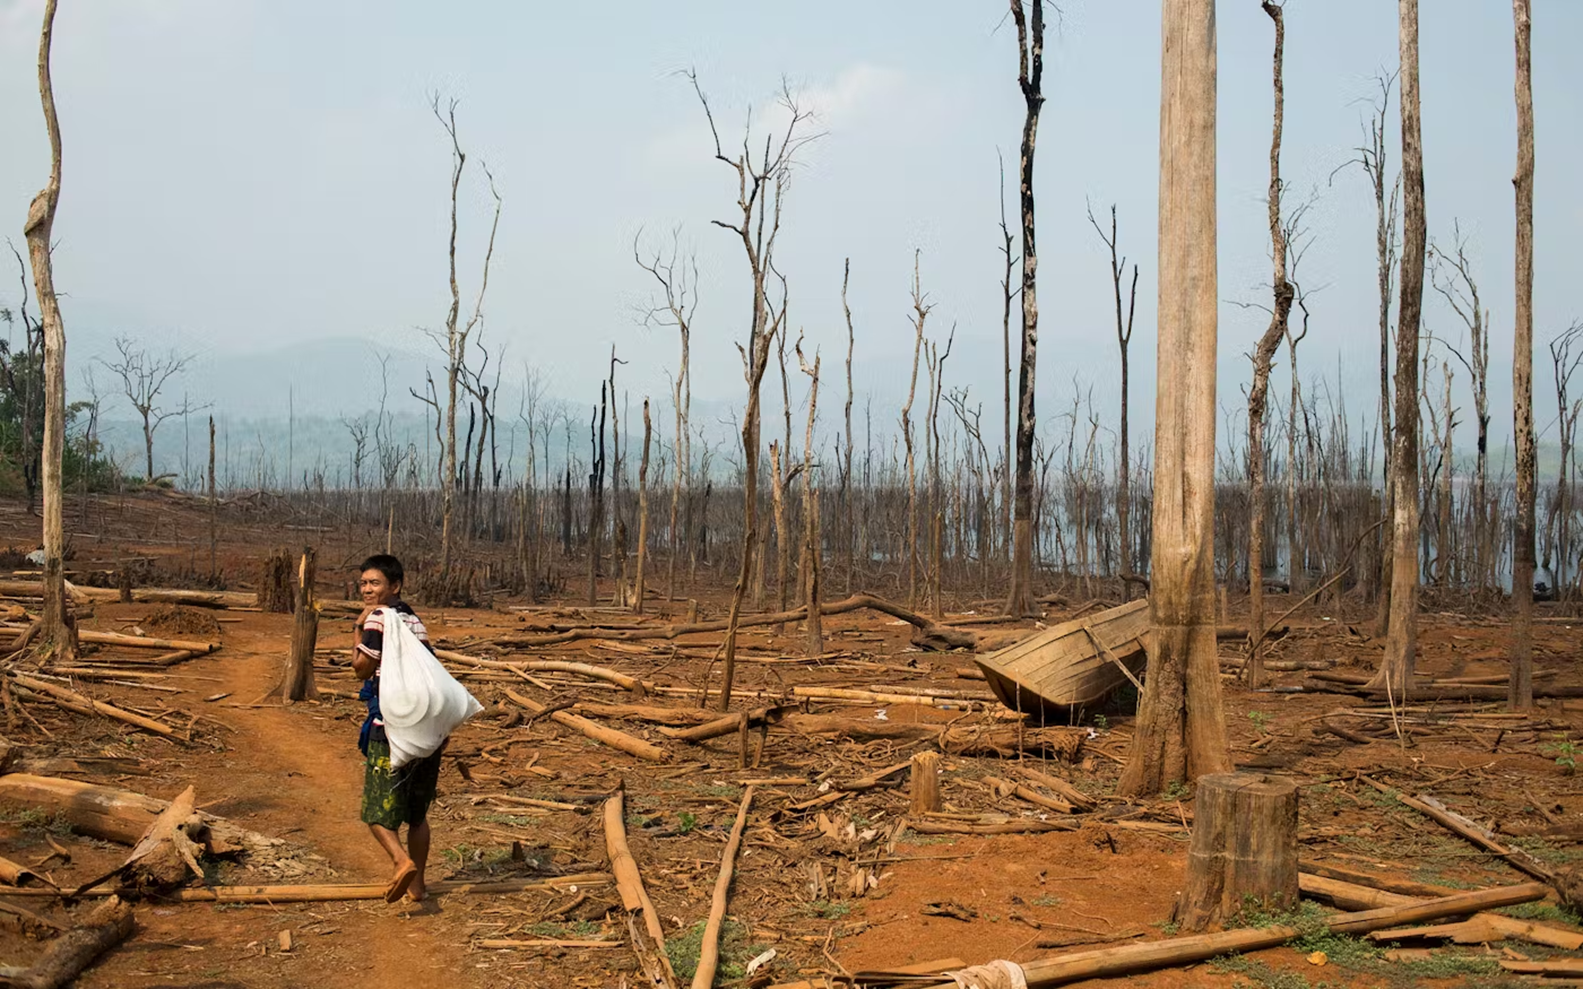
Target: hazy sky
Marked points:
242	177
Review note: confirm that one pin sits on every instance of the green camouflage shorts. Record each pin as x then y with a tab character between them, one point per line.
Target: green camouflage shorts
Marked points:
393	797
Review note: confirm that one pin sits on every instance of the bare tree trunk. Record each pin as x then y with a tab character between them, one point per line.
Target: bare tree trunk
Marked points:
214	510
643	511
846	470
1008	293
1263	355
810	494
920	313
1401	644
1030	74
1181	728
57	632
1522	685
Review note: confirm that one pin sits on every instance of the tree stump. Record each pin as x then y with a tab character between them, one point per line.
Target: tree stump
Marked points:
1244	849
275	586
297	683
926	784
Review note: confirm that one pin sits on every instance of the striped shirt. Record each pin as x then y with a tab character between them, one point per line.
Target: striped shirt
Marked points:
371	642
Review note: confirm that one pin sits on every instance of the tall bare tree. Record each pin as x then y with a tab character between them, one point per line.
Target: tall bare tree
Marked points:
761	184
846	470
57	632
1181	728
1451	274
1401	642
1521	692
1030	78
812	565
143	376
920	310
1118	267
678	278
454	343
1263	356
1009	294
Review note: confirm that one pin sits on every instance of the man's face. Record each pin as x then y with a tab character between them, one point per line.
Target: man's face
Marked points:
377	591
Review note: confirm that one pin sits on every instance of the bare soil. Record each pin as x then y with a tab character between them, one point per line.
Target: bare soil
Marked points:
849	885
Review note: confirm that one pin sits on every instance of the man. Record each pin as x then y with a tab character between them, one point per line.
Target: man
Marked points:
391	798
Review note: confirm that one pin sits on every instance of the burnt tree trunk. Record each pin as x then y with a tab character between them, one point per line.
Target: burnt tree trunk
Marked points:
297	683
275	593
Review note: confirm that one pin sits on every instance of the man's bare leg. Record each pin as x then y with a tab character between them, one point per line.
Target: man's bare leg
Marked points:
418	846
405	868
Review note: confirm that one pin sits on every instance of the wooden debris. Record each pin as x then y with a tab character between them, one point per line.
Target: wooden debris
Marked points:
73	701
643	924
709	947
728	724
925	783
1146	957
1486	927
341	892
66	957
162	857
599	733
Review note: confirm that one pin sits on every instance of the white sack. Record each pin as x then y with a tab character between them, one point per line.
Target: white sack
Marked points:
420	703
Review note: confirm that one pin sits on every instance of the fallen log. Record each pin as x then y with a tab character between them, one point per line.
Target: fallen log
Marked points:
73	701
599	733
645	712
337	892
726	725
66	957
1485	927
643	924
1566	968
1402	887
547	666
1005	788
162	857
851	696
124	817
1071	794
709	947
1134	958
929	634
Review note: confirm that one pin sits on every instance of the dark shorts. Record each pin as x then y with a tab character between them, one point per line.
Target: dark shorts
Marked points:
393	797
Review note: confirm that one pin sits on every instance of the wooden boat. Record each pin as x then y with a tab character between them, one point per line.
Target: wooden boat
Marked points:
1071	665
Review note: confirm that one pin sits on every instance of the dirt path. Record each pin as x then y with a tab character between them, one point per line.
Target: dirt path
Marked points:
296	772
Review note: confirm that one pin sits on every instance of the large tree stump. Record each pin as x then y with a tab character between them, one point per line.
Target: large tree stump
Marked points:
925	783
1244	849
275	591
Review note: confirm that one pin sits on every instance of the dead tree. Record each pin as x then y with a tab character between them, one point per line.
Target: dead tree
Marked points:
1372	157
1521	693
1009	293
1263	355
761	183
1118	266
1452	276
25	390
920	310
296	683
812	576
454	343
1565	358
638	590
596	491
1181	729
678	278
846	469
1030	76
57	637
1401	643
143	375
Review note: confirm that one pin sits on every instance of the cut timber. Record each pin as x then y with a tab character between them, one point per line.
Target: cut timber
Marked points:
145	642
124	817
546	666
728	724
1130	959
1062	667
1244	849
1486	927
1405	887
925	783
66	957
643	924
599	733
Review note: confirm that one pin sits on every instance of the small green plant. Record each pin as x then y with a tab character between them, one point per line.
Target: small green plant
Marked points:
1544	911
573	929
829	910
1101	722
687	820
735	951
513	820
1566	755
1261	721
32	821
1176	790
1046	900
1261	975
1168	927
